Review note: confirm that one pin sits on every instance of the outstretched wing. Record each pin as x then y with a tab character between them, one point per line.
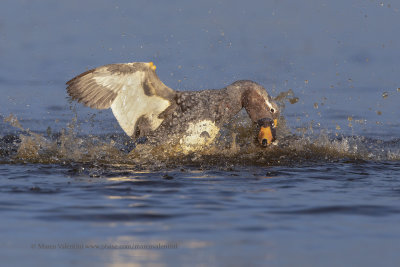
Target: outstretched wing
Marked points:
132	90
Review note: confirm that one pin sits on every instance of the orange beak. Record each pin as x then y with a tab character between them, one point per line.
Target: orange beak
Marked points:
266	135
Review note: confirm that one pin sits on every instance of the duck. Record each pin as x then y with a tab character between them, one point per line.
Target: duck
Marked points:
145	107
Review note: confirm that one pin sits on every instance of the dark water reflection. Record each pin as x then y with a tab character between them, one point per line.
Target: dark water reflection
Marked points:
333	206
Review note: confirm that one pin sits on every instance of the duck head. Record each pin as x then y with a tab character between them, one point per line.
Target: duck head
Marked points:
262	110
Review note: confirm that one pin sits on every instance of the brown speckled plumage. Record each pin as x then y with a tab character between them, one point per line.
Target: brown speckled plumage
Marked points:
181	107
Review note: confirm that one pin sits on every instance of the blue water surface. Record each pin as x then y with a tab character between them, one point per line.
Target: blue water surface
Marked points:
330	197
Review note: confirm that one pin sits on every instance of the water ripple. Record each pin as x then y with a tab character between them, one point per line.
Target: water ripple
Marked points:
367	210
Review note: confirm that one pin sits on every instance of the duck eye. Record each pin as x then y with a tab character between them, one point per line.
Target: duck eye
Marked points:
272	110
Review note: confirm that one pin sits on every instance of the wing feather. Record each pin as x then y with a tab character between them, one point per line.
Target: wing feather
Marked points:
124	88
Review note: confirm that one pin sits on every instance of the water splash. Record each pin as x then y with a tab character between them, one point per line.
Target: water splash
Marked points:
235	146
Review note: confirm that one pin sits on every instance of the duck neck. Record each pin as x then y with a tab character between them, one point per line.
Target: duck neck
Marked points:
237	91
247	92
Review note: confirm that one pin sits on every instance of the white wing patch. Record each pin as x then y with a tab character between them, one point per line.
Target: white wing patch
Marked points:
198	135
132	103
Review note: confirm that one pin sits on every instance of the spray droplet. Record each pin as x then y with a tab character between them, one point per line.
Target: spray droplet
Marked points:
379	112
385	94
293	100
